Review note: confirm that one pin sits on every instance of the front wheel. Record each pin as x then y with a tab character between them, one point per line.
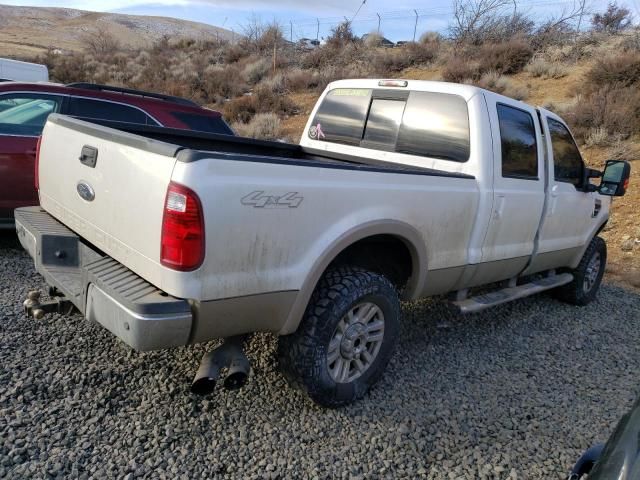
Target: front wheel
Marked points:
587	276
345	339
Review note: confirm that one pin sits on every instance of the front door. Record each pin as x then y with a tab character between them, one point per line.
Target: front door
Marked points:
22	117
518	187
570	210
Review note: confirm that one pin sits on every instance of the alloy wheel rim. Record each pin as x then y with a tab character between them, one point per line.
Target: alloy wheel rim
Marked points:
591	273
356	342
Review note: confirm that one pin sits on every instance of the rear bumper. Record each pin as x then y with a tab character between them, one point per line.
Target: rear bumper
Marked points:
102	289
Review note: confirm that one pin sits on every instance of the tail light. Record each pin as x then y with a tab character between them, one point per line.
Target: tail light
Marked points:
182	242
36	179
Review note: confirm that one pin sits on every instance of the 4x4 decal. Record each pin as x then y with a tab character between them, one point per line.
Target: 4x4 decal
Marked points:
258	199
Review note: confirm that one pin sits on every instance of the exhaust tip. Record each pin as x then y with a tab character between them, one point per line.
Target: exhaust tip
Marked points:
203	386
235	381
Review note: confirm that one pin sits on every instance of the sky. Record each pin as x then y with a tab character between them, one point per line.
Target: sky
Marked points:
299	18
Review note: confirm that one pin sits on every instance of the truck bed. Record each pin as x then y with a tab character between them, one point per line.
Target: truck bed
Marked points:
250	149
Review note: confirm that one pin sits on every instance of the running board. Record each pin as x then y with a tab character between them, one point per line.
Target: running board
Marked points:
498	297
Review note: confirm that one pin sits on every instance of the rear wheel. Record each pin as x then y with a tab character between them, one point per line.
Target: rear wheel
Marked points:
345	339
587	276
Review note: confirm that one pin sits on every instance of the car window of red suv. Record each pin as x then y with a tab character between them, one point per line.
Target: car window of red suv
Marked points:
24	114
204	123
107	110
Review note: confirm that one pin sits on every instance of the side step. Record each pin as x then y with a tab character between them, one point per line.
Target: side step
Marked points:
497	297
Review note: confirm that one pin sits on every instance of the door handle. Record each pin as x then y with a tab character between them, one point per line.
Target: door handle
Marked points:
89	156
497	213
554	200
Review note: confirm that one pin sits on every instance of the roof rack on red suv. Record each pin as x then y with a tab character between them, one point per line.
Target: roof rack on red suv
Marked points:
131	91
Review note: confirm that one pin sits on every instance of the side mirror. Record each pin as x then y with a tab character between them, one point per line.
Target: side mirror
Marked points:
615	178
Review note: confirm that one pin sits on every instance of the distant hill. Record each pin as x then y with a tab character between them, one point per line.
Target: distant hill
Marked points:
28	31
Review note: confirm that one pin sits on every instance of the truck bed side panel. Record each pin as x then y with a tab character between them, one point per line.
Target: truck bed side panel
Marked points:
267	224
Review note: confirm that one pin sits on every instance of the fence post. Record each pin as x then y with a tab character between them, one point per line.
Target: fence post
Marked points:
318	29
415	28
378	23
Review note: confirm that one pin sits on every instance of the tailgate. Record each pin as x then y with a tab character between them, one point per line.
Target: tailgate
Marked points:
109	187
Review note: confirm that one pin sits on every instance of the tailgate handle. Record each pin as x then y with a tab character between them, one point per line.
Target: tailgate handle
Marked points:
89	156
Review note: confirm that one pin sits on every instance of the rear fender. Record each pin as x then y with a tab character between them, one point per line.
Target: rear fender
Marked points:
405	232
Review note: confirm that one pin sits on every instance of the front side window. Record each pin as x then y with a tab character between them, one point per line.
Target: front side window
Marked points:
518	141
102	110
567	162
25	114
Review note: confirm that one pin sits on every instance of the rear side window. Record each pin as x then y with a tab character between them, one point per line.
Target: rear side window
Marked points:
203	123
567	162
518	141
428	124
25	114
435	125
341	116
102	110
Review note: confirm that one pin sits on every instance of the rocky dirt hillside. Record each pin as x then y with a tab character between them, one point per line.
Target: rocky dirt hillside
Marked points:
29	31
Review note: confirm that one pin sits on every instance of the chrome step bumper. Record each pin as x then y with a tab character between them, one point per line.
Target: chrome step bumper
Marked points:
101	288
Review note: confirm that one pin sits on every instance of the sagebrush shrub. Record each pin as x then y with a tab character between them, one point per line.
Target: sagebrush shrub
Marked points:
458	70
615	110
263	126
621	70
539	67
506	57
498	83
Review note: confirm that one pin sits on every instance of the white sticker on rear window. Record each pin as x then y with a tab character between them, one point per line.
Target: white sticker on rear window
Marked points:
350	92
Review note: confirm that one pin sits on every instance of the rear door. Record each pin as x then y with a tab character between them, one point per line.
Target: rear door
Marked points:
22	117
571	210
518	184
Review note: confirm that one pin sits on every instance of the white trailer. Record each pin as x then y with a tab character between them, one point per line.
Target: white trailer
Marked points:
23	71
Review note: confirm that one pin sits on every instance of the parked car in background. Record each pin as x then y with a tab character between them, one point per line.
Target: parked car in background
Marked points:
308	43
22	71
398	189
384	42
24	108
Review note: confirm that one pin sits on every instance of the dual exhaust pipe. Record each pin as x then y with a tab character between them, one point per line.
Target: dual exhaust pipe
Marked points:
229	355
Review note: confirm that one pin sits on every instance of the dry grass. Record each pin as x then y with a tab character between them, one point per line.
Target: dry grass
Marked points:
540	68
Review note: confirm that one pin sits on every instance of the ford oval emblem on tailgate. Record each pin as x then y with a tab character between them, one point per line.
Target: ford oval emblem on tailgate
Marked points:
85	191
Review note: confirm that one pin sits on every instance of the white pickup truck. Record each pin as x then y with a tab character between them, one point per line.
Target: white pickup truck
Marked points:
398	190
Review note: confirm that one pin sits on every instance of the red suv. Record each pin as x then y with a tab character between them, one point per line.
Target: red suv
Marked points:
24	108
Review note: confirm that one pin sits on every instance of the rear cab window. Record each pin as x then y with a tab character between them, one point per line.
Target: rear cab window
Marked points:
428	124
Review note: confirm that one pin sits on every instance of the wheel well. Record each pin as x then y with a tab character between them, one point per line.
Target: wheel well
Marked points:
385	254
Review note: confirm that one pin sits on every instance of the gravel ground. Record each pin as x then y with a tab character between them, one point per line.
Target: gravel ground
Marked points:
517	392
